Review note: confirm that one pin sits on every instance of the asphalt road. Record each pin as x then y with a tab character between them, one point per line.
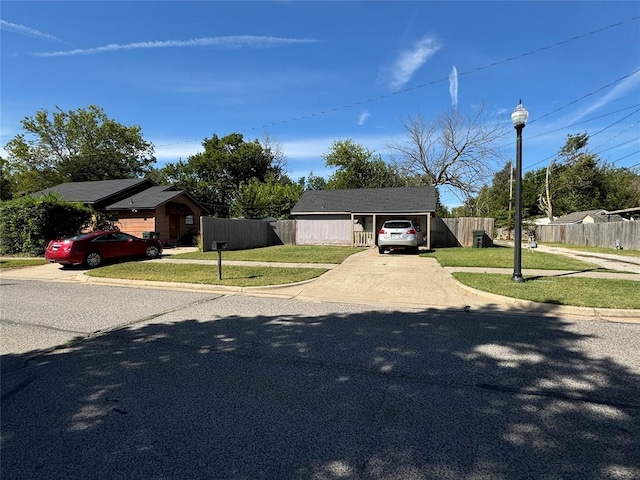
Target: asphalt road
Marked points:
198	386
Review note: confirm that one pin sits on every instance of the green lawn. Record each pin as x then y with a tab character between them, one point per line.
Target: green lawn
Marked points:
18	263
206	274
502	257
580	292
280	253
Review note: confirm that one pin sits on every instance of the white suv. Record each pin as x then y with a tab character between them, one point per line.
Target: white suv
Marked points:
398	234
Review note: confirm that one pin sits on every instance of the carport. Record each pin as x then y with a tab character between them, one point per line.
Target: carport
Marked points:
352	217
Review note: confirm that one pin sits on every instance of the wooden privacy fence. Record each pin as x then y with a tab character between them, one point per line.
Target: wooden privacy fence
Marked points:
592	234
242	234
456	232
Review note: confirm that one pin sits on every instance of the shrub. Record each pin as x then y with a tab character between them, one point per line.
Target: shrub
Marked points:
27	224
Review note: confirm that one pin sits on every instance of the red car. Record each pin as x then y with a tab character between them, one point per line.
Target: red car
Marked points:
92	249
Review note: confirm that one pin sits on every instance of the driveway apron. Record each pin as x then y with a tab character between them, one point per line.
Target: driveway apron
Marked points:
392	279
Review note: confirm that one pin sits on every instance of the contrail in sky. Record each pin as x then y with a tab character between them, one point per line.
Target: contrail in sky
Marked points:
21	29
453	87
236	41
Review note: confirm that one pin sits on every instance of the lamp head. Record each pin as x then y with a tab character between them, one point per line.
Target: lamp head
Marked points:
519	116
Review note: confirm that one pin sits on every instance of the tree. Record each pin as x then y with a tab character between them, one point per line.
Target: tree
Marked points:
313	182
454	150
79	145
214	176
7	181
272	198
27	223
495	200
577	180
357	167
622	188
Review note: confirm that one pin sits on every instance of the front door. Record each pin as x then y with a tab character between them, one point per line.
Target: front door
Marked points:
174	226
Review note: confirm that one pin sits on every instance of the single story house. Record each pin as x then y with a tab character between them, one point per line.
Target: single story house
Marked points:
627	214
353	217
138	206
587	216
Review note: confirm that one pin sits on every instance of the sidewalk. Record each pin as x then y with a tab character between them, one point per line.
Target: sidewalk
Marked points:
390	280
624	263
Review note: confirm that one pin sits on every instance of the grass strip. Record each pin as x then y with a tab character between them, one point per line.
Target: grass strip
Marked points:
7	263
280	253
580	292
206	274
502	257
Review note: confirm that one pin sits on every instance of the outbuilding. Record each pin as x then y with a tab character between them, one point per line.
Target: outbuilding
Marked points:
354	216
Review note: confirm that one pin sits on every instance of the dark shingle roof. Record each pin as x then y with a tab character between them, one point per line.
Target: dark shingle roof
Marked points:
93	192
147	199
578	217
599	216
368	200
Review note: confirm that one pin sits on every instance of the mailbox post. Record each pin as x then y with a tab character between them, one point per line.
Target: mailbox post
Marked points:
219	246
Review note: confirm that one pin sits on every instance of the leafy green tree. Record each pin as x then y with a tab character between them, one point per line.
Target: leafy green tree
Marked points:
532	186
496	200
256	199
78	145
621	188
441	210
358	167
214	176
313	182
27	223
7	181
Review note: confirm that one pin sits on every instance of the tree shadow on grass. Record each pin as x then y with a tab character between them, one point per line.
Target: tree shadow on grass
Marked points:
314	393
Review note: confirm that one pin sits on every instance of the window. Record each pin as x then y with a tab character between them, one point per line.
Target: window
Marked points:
188	220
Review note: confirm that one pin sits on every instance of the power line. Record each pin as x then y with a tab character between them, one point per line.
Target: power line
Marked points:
590	136
434	82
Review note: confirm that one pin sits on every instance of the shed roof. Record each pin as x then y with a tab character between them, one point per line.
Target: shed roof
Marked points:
367	200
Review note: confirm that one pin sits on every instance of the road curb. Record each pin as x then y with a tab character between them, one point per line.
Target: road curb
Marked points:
592	313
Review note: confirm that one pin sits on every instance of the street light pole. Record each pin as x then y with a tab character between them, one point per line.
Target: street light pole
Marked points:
519	119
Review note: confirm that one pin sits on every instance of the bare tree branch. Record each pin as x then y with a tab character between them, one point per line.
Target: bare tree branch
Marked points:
454	150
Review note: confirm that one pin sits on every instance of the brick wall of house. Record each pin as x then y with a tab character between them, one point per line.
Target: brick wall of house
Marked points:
135	223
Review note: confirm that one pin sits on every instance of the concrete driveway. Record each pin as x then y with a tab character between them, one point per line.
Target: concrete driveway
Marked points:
393	279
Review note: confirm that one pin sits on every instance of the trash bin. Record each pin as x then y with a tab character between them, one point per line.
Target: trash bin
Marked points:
478	239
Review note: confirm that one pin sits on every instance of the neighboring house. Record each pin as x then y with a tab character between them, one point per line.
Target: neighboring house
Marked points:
138	206
629	214
353	217
588	216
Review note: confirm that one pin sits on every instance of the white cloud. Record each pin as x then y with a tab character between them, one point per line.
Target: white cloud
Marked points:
363	117
170	151
23	30
453	87
315	147
620	90
229	42
411	60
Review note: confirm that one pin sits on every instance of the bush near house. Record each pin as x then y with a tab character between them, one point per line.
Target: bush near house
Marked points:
27	224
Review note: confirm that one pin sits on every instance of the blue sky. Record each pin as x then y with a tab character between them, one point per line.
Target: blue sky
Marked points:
310	73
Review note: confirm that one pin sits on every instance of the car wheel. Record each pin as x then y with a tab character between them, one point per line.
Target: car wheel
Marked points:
380	250
153	251
93	260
